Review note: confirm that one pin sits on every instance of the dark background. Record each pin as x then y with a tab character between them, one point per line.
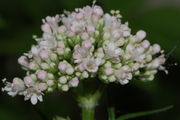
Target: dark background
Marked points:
20	19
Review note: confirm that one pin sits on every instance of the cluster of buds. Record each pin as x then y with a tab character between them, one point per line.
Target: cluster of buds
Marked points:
83	44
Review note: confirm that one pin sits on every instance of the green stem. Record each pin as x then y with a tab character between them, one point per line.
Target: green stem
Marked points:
88	114
88	104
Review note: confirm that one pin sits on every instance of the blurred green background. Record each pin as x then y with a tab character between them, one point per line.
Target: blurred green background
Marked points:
20	19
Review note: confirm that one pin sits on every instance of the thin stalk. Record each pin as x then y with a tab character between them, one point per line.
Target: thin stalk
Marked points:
88	103
88	114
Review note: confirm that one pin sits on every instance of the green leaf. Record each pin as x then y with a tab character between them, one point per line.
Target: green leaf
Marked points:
61	118
111	113
145	113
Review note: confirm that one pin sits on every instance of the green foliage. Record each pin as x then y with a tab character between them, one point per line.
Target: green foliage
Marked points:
111	113
61	118
145	113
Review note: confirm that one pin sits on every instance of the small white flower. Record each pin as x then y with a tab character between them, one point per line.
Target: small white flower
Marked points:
33	94
111	50
92	64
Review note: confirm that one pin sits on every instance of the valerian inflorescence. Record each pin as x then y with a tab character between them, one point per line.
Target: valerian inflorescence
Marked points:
82	44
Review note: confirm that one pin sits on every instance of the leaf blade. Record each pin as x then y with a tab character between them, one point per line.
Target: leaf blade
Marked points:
140	114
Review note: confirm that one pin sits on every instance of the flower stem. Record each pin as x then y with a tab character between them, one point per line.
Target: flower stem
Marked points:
88	114
88	104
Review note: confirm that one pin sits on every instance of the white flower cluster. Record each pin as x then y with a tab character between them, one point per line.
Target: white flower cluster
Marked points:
86	43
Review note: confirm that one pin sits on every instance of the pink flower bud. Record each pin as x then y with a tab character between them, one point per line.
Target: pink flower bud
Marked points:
95	18
108	71
98	10
18	84
74	82
23	61
86	43
42	86
33	66
62	66
63	80
34	50
28	81
156	48
62	29
81	67
145	44
79	16
90	28
126	34
84	36
61	44
141	35
60	51
46	28
44	54
116	34
126	68
41	74
130	47
50	82
69	70
70	34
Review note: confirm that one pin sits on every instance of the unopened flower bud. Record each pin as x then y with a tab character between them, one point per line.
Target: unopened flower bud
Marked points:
85	74
108	64
34	77
84	36
145	44
65	88
74	82
63	80
60	51
69	70
79	16
126	34
33	66
140	35
44	54
156	48
90	28
53	57
61	44
28	81
86	44
106	35
46	28
98	11
62	29
50	82
41	74
50	76
42	86
23	61
108	71
62	66
112	78
44	66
